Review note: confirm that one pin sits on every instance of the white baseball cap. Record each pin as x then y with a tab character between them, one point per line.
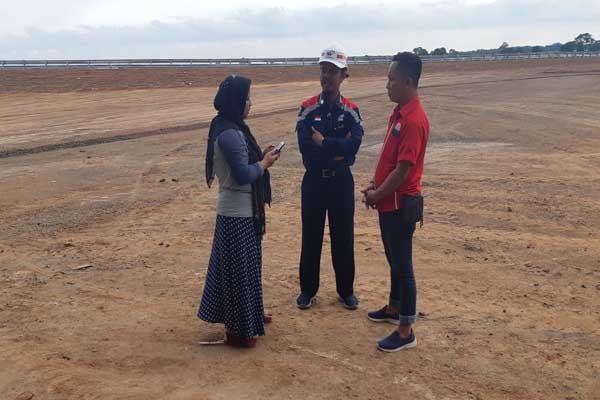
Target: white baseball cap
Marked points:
334	54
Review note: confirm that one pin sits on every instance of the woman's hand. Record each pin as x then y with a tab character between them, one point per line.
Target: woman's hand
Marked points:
269	149
269	159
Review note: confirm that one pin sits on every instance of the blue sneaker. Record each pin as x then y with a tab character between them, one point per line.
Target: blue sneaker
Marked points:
350	302
394	342
383	316
304	301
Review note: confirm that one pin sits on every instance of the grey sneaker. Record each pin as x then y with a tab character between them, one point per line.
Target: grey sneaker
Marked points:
304	301
350	302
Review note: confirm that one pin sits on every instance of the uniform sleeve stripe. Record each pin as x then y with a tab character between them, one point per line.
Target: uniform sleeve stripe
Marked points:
354	113
309	102
304	113
349	103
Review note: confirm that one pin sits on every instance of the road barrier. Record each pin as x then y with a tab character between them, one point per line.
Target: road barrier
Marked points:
266	62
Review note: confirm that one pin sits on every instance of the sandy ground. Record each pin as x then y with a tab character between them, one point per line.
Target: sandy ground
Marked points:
507	264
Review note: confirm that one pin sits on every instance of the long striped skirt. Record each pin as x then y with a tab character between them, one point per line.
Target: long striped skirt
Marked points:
233	288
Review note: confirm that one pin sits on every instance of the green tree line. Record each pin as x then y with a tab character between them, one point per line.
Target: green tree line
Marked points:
583	42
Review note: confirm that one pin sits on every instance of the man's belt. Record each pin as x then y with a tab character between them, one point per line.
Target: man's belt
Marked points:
328	173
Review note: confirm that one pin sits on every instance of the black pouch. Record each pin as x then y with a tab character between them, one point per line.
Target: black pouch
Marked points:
412	209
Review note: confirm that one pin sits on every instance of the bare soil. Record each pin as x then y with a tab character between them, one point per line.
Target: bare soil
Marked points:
507	264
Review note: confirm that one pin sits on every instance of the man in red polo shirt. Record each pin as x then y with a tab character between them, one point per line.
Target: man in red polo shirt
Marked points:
396	194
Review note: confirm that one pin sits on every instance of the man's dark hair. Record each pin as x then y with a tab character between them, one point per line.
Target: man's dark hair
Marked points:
410	65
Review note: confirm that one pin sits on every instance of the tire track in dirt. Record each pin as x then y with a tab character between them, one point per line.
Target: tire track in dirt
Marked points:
121	137
202	125
527	78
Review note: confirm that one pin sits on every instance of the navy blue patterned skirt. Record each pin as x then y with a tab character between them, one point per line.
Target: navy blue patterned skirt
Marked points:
233	288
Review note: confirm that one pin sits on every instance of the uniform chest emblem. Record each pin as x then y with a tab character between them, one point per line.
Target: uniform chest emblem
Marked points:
396	130
317	118
340	122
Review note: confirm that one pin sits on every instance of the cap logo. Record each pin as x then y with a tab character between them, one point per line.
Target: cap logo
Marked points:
335	56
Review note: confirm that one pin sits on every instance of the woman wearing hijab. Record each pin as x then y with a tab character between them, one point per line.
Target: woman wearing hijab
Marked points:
233	288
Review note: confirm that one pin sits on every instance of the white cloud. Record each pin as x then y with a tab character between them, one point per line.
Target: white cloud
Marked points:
293	31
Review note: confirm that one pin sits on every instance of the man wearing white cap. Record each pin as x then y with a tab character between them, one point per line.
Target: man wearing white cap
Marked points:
329	135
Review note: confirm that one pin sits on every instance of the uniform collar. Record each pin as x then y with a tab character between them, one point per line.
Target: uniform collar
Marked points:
338	101
403	111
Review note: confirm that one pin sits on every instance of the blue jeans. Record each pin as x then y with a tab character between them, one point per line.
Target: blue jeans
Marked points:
397	242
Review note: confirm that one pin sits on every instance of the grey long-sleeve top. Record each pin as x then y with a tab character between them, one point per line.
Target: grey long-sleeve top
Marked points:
235	174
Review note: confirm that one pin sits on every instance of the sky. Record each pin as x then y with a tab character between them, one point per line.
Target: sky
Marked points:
93	29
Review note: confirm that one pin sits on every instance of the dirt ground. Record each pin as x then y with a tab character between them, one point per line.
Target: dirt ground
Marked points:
507	264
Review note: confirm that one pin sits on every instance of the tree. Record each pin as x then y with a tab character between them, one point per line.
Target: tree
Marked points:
441	51
553	47
504	48
420	51
453	52
585	39
595	46
537	49
572	46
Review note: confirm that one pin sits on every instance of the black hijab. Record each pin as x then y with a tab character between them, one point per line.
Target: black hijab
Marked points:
230	103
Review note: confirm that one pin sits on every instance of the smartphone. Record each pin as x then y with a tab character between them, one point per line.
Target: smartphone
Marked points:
279	147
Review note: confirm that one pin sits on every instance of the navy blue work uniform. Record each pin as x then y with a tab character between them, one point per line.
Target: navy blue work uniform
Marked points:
328	188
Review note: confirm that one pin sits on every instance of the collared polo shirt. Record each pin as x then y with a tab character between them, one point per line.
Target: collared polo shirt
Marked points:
406	140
